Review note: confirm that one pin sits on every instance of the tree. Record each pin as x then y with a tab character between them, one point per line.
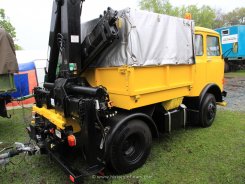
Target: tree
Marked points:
237	16
234	17
219	19
159	6
203	16
6	24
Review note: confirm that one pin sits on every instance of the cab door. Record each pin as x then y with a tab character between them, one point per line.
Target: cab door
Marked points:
215	63
200	66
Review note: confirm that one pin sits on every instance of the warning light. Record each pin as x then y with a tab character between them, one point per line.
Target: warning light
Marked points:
188	16
71	140
52	131
72	178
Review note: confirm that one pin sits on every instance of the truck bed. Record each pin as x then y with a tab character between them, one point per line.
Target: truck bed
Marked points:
132	87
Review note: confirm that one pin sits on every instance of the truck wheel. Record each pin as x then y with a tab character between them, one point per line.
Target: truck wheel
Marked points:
208	110
130	147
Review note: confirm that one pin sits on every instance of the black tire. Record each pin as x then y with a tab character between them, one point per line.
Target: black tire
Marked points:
130	147
208	110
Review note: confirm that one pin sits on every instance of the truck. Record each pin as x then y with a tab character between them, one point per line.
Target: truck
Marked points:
233	46
115	83
8	66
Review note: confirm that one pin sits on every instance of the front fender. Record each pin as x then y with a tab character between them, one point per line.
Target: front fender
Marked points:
213	89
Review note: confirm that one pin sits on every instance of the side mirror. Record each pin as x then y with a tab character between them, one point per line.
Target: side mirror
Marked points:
235	47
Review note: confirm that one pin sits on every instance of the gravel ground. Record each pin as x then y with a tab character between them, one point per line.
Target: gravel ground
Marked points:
235	88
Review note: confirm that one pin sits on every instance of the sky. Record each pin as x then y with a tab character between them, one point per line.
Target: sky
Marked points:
31	18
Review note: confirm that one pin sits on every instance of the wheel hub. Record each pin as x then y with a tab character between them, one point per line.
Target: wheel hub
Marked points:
129	149
211	111
132	149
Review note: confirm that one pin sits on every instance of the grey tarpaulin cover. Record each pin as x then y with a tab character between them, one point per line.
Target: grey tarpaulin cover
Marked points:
8	61
147	39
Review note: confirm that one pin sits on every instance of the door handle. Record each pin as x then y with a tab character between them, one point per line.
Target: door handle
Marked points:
209	59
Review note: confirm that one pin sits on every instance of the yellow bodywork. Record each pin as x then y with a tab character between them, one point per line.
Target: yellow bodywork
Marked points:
57	119
208	69
132	87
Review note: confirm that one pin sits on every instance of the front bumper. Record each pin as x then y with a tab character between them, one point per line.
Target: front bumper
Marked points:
223	103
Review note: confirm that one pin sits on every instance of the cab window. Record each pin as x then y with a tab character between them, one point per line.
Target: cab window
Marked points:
213	46
199	45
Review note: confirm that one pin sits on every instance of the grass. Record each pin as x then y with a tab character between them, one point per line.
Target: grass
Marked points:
239	73
195	155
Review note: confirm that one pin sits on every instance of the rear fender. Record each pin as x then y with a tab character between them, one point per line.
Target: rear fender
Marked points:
119	120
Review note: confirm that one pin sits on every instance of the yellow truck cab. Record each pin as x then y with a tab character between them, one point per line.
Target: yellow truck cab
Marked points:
209	61
138	74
